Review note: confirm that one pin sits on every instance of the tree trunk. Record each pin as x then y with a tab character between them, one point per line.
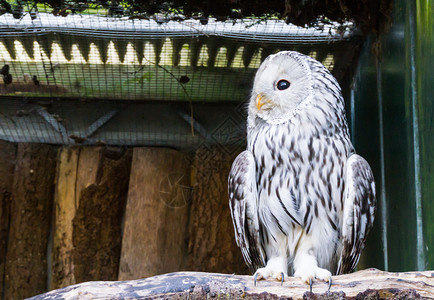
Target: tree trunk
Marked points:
156	214
212	246
91	189
8	152
32	196
368	284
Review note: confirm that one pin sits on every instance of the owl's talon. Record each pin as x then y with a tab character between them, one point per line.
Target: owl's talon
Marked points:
330	283
255	277
283	278
310	284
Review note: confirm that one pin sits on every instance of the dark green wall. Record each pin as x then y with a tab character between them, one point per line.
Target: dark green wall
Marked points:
392	119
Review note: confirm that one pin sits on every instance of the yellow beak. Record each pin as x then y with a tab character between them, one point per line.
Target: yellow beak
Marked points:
258	102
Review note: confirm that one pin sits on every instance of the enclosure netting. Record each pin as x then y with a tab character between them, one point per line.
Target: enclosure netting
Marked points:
89	78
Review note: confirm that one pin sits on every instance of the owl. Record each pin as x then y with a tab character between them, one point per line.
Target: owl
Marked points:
302	201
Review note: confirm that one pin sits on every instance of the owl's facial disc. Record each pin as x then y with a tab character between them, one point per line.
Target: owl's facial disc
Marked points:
282	82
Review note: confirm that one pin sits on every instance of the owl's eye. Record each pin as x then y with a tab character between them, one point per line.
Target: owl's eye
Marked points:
283	84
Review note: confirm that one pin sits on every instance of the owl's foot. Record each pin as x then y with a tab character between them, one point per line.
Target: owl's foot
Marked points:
307	273
306	268
263	273
330	281
274	269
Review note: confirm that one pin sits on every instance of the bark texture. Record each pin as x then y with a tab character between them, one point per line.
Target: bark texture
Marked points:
212	246
32	196
156	214
8	152
97	234
64	210
91	190
367	284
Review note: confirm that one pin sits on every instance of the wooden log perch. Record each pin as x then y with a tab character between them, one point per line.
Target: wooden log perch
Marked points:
366	284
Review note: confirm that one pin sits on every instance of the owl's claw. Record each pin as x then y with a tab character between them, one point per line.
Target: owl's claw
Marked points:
255	277
283	278
330	283
310	285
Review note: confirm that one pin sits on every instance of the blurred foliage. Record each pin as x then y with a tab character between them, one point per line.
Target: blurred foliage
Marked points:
368	15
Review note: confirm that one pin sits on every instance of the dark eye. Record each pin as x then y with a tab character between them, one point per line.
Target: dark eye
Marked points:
283	84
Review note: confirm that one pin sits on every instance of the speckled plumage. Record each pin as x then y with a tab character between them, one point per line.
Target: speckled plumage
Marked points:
302	202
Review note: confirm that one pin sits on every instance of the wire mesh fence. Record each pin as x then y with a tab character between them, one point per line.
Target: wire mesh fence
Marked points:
89	78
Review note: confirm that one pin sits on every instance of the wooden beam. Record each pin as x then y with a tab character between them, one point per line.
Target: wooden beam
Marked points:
212	246
90	197
8	152
97	224
30	220
69	184
156	217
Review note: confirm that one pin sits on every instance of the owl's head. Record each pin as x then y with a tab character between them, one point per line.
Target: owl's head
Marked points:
282	82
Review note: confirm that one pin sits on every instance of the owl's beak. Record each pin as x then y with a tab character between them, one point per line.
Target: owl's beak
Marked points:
259	102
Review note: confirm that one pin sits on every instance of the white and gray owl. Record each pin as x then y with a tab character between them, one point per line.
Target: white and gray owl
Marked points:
302	201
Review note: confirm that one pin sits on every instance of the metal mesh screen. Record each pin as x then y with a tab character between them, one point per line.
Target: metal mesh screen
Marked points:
88	78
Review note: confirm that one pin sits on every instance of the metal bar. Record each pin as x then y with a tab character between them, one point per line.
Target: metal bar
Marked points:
95	126
420	259
112	27
56	125
382	166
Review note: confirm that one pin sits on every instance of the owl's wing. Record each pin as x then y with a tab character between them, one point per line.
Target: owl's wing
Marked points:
358	210
243	206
